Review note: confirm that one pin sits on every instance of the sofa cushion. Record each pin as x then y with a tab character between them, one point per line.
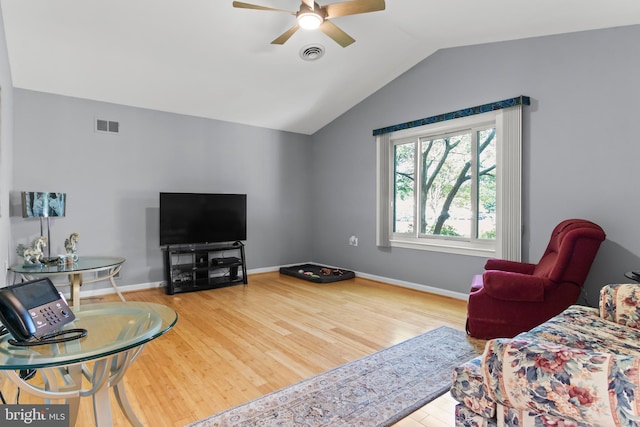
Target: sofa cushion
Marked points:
465	417
594	387
621	304
578	326
581	327
469	388
511	417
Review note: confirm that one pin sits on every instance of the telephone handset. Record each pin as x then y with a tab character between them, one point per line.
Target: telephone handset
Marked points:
33	312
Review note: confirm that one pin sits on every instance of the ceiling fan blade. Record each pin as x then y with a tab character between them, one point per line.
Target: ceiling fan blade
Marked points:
258	7
353	7
339	36
286	35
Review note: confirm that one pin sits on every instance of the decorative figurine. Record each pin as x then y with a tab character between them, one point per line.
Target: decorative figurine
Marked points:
71	245
33	254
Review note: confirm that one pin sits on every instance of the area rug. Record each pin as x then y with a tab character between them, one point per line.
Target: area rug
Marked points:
377	390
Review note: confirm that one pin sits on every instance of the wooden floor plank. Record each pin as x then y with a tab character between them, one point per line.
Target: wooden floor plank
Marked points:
235	344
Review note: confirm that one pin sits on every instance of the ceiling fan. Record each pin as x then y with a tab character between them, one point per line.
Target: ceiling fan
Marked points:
311	16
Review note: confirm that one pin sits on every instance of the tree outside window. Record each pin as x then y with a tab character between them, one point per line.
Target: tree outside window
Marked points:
445	186
453	185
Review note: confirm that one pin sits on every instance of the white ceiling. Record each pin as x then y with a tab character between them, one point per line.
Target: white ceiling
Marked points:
206	58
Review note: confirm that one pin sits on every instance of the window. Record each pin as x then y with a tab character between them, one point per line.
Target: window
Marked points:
453	186
445	185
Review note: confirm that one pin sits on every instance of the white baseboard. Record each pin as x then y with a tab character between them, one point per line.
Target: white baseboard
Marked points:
88	293
401	283
416	286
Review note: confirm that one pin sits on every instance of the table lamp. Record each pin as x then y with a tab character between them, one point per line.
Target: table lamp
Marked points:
44	205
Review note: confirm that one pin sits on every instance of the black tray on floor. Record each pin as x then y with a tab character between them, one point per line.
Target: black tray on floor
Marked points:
317	275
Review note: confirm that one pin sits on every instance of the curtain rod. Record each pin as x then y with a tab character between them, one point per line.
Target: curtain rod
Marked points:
498	105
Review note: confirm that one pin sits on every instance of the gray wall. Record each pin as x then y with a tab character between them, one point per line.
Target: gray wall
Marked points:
307	195
112	181
6	150
580	157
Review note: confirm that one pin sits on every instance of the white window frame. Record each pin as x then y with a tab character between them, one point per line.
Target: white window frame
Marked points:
507	245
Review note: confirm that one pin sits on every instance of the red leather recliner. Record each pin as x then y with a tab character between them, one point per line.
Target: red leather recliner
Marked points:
512	297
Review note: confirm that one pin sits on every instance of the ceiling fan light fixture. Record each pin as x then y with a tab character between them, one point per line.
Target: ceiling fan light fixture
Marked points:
309	20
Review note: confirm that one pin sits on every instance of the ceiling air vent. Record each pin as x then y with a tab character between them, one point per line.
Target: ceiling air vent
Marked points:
107	126
312	52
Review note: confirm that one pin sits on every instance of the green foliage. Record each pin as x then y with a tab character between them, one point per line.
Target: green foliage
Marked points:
489	235
404	170
444	166
446	230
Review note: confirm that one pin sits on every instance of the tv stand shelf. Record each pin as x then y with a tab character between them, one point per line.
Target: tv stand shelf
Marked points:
191	268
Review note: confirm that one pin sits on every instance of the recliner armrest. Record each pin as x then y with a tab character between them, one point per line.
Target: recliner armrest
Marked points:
508	286
506	265
593	388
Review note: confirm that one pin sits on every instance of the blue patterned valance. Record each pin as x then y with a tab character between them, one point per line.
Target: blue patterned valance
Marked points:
520	100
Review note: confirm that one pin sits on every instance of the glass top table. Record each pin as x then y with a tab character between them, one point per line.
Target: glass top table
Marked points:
111	328
116	333
84	264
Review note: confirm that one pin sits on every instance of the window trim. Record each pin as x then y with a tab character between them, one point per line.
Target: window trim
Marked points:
508	242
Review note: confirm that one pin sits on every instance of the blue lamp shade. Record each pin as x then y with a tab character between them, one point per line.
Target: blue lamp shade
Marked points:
43	205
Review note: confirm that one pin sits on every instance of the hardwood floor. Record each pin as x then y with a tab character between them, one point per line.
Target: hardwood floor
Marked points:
234	344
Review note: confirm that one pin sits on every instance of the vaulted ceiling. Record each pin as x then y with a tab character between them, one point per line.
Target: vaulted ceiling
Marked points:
206	58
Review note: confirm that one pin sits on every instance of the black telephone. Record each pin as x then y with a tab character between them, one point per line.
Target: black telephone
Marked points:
33	311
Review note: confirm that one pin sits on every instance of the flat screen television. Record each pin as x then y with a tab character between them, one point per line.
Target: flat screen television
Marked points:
195	218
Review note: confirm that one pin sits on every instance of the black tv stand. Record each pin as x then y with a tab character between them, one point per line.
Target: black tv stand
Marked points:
197	267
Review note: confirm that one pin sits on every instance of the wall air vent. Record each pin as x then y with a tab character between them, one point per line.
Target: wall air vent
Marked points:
107	126
312	52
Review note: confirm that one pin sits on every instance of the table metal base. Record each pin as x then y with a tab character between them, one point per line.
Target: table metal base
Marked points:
66	382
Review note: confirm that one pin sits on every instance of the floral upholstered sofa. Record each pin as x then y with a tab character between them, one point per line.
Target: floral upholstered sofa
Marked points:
581	368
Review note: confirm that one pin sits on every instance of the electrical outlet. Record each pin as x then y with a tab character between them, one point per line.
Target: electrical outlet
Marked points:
353	241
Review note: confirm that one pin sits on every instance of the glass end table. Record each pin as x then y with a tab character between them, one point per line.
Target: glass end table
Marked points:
116	334
85	264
